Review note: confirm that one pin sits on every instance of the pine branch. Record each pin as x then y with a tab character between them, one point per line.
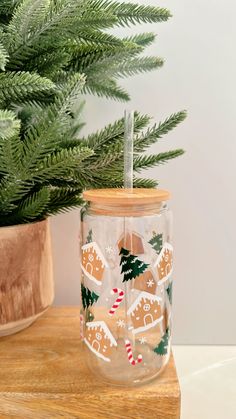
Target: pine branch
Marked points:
11	150
3	57
144	162
63	199
9	125
104	161
145	183
22	85
49	63
27	112
64	183
109	89
142	142
31	208
83	56
114	132
46	131
142	39
96	37
61	163
96	19
7	6
119	66
67	20
131	13
27	17
12	189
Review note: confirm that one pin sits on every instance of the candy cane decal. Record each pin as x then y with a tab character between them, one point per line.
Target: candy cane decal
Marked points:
130	354
118	300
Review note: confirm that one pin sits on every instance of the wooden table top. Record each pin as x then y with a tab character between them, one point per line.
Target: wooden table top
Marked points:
43	376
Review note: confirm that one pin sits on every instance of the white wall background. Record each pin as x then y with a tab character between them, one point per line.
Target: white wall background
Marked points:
198	44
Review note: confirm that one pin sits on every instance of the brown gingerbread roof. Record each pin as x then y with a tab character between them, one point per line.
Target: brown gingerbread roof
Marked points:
143	295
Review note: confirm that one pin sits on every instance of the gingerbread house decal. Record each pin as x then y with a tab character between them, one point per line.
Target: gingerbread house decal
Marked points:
164	263
99	339
145	312
93	262
146	282
133	242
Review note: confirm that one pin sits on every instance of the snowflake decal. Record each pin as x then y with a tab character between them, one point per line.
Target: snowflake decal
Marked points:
120	323
143	340
110	250
150	283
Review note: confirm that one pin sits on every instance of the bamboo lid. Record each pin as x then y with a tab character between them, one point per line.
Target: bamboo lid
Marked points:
126	197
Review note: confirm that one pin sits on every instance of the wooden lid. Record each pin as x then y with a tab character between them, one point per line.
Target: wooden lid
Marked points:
137	196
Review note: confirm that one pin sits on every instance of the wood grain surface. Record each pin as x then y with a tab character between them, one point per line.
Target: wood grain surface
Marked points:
43	376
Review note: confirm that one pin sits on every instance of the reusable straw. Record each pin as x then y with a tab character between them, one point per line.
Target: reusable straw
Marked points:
128	183
128	149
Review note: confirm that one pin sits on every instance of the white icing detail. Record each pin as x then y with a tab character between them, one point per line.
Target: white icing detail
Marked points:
98	336
166	246
146	307
138	302
95	352
150	283
163	280
120	323
143	340
96	248
148	326
89	276
103	326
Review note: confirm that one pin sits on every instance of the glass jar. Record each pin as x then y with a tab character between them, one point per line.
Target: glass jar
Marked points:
126	261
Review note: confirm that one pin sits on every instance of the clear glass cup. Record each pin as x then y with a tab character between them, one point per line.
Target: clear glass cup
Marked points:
126	289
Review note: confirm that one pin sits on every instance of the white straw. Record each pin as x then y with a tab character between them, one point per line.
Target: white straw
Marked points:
128	149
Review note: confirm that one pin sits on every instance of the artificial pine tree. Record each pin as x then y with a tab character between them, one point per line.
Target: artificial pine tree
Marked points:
162	348
131	265
51	53
156	242
88	297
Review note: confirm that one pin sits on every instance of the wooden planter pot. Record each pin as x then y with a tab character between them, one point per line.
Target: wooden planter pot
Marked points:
26	275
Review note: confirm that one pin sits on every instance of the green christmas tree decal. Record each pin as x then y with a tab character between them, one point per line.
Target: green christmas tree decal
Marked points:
162	348
169	292
156	242
89	236
88	297
131	265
